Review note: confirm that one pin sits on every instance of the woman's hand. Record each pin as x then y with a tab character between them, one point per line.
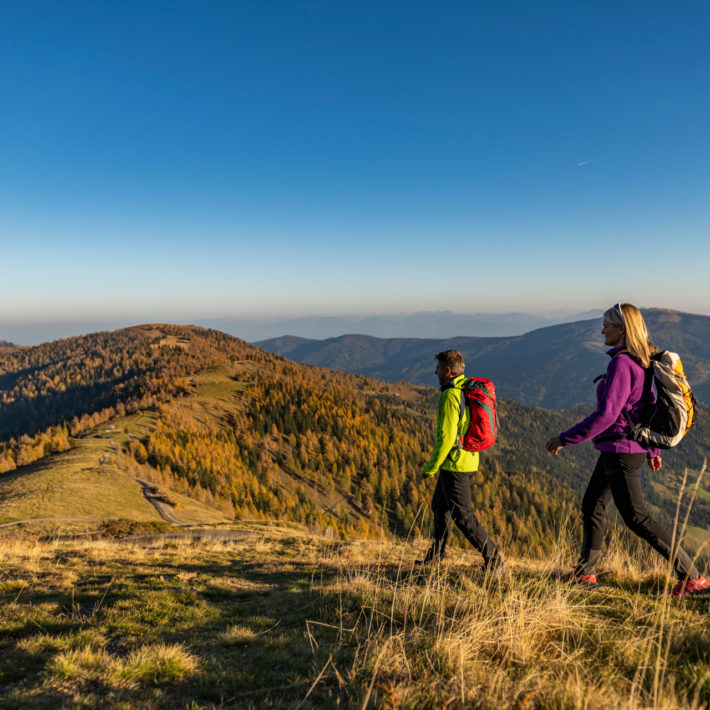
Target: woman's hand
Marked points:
554	445
654	463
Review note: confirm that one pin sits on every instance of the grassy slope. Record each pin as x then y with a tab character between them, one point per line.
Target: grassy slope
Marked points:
283	619
79	484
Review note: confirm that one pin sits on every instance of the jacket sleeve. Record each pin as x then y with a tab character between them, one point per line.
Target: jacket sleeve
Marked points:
614	396
447	424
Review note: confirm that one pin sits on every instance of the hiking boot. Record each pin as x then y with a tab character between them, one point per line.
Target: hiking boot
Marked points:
685	588
583	580
492	568
431	558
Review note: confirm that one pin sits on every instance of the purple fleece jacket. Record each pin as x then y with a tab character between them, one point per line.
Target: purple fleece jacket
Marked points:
627	387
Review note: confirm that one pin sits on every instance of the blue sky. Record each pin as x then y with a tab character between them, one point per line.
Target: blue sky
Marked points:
184	160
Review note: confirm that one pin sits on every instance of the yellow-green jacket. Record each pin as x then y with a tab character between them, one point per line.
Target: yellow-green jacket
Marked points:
450	427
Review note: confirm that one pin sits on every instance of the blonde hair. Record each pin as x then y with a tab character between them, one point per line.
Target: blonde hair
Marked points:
637	341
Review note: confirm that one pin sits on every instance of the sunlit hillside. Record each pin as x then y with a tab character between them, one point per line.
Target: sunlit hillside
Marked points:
189	521
200	416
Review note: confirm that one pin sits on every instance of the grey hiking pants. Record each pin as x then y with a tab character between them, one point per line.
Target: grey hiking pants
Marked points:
617	476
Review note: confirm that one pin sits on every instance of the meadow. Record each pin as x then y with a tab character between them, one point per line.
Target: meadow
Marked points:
258	614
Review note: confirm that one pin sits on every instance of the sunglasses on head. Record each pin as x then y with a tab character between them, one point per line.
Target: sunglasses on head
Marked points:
617	307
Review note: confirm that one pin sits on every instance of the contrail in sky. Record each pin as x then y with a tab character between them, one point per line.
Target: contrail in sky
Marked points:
584	162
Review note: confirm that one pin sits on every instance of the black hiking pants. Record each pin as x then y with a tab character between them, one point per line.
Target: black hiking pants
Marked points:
617	476
452	501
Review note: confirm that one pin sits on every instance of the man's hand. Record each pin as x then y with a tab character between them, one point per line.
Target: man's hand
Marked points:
554	445
654	463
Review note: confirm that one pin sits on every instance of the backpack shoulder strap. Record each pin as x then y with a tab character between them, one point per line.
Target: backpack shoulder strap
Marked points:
462	396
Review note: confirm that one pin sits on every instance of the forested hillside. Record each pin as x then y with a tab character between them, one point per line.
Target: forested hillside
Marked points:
258	436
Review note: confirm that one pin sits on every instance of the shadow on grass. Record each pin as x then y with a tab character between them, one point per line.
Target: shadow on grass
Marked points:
242	621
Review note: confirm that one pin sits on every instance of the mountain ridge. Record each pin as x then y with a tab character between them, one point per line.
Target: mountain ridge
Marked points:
422	324
438	324
550	367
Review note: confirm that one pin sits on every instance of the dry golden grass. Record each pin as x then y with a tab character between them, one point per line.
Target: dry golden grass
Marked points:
285	619
440	637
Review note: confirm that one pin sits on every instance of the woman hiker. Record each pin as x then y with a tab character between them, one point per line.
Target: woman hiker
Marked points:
627	388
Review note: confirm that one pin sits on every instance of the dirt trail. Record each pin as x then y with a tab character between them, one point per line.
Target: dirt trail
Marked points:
151	495
164	510
149	491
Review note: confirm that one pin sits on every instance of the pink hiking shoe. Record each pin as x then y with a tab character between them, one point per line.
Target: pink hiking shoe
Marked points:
584	580
684	588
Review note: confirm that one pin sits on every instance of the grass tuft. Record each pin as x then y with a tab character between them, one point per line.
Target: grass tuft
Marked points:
159	663
239	635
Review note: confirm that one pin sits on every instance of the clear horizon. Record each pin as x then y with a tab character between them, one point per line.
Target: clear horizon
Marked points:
167	162
432	324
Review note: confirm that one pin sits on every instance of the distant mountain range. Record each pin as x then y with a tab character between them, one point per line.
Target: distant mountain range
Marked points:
439	324
551	367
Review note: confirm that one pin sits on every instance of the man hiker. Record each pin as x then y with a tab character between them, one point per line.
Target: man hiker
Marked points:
452	495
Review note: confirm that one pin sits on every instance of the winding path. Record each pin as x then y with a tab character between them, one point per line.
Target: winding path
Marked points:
164	510
149	491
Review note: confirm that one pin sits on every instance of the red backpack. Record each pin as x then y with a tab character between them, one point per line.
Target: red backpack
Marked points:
479	395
